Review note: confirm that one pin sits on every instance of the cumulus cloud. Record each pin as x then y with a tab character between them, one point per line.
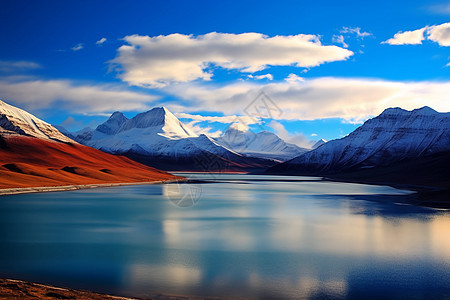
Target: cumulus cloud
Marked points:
101	41
292	78
414	37
354	100
259	77
90	99
298	139
440	34
436	33
77	47
355	30
195	127
157	61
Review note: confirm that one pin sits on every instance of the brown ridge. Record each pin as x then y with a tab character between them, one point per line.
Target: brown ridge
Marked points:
33	162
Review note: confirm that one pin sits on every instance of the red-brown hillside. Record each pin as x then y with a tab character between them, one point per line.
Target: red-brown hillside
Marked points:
32	162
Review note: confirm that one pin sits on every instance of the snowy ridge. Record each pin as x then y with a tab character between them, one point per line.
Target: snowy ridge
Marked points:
319	143
158	135
19	121
262	144
394	135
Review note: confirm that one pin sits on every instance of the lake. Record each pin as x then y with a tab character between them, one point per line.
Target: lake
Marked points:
230	235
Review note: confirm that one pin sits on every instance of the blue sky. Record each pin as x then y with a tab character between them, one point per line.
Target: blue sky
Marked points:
328	65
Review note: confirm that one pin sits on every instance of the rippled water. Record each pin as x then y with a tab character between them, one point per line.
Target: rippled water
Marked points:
239	236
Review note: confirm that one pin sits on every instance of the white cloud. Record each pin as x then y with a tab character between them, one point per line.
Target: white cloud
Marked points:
354	100
355	30
436	33
259	77
101	41
160	60
440	34
313	134
90	99
414	37
225	119
298	139
77	47
340	40
447	65
193	126
294	78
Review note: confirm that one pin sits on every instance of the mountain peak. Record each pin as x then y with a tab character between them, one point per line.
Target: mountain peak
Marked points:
116	114
319	143
113	124
426	110
158	120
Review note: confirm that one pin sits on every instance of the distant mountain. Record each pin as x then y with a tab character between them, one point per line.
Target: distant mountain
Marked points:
34	153
263	144
16	120
393	136
157	138
319	143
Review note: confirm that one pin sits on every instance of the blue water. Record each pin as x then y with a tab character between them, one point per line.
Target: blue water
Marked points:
232	236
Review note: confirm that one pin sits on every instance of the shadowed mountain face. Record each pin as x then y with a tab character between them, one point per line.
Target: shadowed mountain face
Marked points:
158	139
394	136
34	153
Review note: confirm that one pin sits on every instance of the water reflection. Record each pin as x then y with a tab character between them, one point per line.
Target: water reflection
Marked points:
278	239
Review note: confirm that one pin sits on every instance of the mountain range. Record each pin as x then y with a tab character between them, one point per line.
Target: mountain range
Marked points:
396	135
157	138
34	153
411	147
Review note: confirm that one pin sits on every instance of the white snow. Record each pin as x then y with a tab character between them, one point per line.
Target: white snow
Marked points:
17	120
159	132
263	144
393	135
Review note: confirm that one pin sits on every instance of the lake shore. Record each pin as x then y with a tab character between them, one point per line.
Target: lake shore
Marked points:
24	290
436	196
45	189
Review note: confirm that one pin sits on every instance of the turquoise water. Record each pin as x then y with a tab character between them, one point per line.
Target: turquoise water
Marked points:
231	235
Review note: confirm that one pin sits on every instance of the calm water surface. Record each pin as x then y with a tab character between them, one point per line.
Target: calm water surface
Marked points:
245	236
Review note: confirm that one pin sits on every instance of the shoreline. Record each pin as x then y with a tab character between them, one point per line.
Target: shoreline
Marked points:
21	289
74	187
422	193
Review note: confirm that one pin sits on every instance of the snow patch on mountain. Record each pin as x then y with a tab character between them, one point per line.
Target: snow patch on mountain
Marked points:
19	121
265	144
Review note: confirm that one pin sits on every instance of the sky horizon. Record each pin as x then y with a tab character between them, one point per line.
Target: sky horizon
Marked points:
324	67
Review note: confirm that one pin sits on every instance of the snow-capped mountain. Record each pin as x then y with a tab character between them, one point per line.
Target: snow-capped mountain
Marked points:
34	153
395	135
319	143
263	144
16	120
158	138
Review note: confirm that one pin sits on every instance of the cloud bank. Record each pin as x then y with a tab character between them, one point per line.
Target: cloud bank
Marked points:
88	99
354	100
157	61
